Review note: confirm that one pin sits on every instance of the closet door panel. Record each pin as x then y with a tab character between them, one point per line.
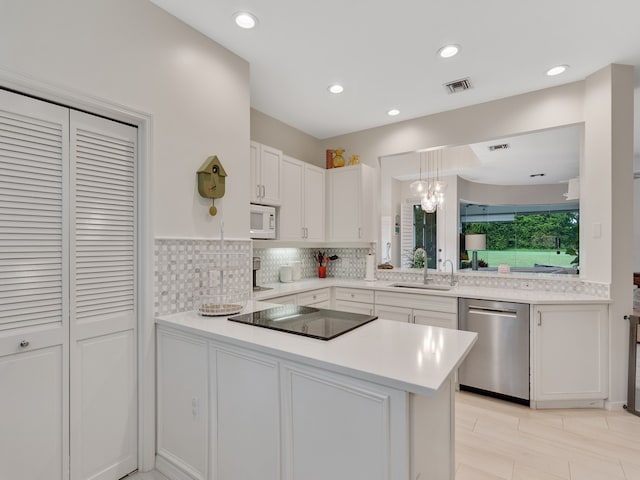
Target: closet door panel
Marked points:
103	370
34	307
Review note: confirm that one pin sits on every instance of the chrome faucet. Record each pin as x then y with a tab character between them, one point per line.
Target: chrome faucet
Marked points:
452	282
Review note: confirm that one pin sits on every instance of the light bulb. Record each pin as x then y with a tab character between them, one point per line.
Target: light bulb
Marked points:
419	187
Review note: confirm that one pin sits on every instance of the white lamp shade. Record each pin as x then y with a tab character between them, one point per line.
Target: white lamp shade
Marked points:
475	242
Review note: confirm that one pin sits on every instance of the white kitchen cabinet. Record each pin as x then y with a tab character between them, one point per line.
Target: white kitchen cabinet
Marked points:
423	309
354	300
247	414
351	204
329	416
302	214
397	314
182	405
266	174
319	298
570	355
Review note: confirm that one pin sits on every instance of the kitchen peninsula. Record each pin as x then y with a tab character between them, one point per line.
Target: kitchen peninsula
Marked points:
236	401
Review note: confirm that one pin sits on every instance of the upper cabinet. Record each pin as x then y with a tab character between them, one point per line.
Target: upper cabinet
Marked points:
350	204
266	174
302	211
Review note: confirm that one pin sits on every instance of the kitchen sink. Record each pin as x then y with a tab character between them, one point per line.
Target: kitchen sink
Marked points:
422	286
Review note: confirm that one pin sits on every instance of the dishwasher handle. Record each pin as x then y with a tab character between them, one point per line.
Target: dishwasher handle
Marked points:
488	311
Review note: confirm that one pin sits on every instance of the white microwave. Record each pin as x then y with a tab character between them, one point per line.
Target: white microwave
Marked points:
263	222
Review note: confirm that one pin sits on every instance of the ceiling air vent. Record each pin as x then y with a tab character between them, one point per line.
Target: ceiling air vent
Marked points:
500	146
458	85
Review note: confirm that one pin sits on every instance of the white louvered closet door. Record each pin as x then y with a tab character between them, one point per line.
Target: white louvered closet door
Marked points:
103	298
34	353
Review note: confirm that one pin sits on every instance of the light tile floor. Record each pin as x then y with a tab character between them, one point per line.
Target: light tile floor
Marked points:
497	440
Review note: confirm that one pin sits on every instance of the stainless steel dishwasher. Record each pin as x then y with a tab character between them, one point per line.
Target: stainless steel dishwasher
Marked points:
498	364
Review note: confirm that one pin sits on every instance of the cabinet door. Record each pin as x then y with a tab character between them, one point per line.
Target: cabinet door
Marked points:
254	158
247	406
398	314
292	210
314	203
270	175
435	319
328	416
570	352
345	204
182	404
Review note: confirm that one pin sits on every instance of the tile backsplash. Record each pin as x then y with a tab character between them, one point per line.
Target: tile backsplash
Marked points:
178	264
351	262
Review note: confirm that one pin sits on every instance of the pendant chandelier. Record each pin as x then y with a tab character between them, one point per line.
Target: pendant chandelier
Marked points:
431	191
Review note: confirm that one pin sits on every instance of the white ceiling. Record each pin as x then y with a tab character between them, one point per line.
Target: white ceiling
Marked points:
384	53
554	152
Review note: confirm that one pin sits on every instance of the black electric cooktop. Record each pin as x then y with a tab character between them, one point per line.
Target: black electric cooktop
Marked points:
308	321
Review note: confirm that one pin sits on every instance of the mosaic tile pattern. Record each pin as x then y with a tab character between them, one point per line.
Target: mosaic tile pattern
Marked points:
350	264
558	284
180	270
182	267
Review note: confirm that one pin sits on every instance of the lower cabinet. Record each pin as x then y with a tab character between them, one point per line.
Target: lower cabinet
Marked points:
245	406
570	355
204	387
227	413
182	406
338	428
434	310
354	300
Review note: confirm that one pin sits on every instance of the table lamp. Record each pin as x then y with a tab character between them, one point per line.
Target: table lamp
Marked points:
474	243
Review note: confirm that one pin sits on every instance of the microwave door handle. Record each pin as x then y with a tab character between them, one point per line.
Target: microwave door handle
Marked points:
272	222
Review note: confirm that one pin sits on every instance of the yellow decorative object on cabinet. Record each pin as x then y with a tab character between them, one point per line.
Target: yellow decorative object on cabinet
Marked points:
338	159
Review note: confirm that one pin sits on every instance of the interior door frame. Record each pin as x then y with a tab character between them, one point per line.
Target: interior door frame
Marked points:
146	345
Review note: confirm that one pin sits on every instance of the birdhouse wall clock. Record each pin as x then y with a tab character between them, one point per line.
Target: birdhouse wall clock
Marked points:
211	179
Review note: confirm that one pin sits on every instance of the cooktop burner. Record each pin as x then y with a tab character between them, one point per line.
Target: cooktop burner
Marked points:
308	321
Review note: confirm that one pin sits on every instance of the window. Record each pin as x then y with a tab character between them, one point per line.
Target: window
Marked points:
539	237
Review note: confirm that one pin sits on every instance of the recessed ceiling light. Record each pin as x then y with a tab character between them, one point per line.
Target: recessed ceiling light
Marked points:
245	20
449	51
393	112
557	70
336	88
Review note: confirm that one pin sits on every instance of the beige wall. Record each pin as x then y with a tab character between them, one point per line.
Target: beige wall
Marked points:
293	142
133	54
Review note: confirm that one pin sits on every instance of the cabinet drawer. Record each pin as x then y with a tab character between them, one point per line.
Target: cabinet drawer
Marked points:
354	295
283	300
418	300
314	296
436	319
398	314
354	307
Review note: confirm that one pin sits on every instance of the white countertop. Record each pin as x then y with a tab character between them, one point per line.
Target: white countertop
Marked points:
537	297
405	356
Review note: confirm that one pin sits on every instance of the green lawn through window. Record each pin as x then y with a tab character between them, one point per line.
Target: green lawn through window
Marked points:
526	258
